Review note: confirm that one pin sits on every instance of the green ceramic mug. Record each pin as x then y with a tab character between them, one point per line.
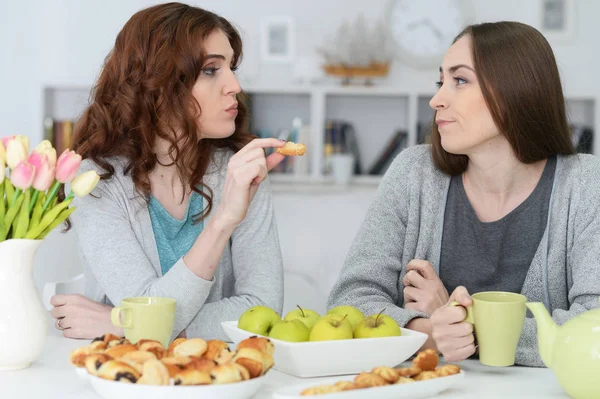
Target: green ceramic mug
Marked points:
145	318
497	319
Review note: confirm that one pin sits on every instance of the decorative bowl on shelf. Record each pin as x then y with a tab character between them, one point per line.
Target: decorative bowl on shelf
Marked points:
347	72
337	357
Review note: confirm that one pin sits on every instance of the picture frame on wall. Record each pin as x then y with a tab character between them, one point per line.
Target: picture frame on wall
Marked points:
277	39
557	19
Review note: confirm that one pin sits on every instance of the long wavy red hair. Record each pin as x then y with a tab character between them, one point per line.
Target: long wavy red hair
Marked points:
144	92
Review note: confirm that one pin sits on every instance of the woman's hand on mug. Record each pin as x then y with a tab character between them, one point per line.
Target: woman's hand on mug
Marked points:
245	171
423	289
82	318
452	335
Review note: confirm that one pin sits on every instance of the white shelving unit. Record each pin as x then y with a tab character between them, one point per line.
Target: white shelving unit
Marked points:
376	112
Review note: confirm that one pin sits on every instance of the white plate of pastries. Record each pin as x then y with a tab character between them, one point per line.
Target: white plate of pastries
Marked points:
424	378
188	368
336	357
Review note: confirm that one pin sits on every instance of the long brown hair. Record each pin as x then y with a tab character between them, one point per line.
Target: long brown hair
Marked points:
521	85
145	91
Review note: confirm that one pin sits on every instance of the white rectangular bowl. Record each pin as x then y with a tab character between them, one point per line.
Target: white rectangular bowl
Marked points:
337	357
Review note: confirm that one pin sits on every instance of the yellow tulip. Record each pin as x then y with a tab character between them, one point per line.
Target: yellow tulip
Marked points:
25	141
16	152
83	184
2	172
45	148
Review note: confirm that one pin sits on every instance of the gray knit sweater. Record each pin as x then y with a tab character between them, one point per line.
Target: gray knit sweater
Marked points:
405	222
120	258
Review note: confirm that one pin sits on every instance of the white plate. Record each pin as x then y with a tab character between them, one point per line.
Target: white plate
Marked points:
419	389
338	357
121	390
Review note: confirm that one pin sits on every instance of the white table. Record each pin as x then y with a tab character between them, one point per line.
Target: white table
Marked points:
53	377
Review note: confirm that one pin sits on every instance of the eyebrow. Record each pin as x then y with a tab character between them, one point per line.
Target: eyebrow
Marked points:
219	56
454	68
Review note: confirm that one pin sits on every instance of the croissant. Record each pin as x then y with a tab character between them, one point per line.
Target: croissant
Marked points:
120	350
243	371
153	346
191	376
78	356
254	360
94	361
190	347
201	363
218	351
225	374
136	359
115	370
262	344
173	344
154	373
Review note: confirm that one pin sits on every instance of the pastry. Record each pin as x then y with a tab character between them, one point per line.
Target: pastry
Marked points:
225	374
261	343
291	149
115	370
243	371
201	363
137	359
255	361
173	344
318	390
191	376
154	373
426	360
149	345
120	350
78	355
388	373
94	361
218	351
190	347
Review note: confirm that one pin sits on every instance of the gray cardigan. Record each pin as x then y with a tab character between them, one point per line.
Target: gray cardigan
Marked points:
120	257
405	222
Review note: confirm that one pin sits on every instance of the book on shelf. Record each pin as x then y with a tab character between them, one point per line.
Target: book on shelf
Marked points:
340	137
60	133
395	145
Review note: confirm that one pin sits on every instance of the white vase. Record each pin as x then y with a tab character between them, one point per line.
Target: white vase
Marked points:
23	319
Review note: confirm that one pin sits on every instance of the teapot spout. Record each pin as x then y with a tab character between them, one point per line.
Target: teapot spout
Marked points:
547	330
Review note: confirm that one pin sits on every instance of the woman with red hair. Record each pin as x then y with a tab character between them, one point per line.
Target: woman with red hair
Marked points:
184	208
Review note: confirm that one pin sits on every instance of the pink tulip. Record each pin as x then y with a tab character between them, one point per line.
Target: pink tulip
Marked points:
67	165
22	175
6	139
44	174
37	159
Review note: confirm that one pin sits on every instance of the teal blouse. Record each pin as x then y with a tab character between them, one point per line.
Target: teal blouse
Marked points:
174	237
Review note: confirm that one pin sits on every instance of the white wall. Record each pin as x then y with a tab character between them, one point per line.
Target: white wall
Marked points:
65	41
53	42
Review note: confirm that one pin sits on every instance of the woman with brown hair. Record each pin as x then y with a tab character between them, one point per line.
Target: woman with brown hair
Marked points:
498	202
184	208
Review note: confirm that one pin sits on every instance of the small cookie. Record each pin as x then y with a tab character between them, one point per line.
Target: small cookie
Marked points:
345	386
404	380
368	380
408	371
318	390
291	149
389	374
447	369
426	375
426	360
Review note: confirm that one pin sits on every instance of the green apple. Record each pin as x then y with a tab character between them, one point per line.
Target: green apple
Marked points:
330	327
353	314
306	316
290	330
376	326
258	320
